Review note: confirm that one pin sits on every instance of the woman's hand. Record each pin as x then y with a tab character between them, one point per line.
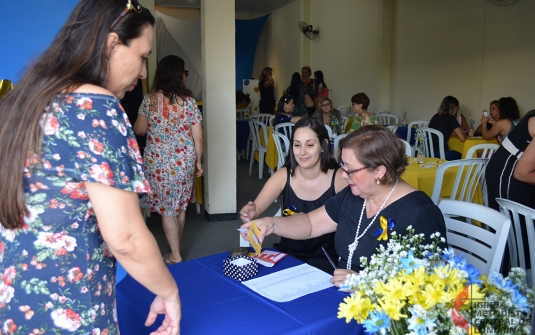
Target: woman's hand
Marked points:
265	226
484	119
340	275
173	313
199	168
248	212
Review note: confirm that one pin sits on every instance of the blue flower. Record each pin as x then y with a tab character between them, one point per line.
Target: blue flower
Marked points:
419	322
520	301
410	263
473	274
377	322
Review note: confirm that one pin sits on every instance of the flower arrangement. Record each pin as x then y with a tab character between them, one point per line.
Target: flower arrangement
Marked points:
472	122
404	122
410	288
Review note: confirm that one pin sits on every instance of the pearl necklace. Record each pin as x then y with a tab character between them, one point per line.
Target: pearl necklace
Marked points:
353	246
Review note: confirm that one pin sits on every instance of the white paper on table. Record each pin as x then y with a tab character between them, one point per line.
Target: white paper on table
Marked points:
289	284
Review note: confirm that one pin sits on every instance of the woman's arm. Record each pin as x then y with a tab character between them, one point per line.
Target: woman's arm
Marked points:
141	125
525	168
271	190
496	129
134	246
269	82
198	140
457	132
464	124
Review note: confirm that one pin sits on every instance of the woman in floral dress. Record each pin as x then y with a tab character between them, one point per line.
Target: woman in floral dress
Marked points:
71	171
360	103
172	121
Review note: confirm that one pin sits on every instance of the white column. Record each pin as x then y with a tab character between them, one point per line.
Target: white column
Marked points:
219	108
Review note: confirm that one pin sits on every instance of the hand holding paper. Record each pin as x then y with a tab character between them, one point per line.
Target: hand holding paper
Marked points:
253	233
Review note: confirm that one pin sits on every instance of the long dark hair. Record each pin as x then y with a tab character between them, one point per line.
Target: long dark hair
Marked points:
169	78
77	56
326	159
263	74
319	78
295	86
508	109
448	105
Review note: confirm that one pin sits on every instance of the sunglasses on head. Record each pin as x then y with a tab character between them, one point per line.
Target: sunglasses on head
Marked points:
129	6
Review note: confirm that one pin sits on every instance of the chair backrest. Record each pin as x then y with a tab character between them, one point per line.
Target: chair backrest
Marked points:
267	119
392	128
336	141
522	225
488	150
482	247
467	179
283	146
386	119
285	128
255	127
241	113
344	110
329	130
408	149
417	124
429	142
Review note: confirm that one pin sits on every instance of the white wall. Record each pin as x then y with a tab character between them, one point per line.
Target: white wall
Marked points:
409	54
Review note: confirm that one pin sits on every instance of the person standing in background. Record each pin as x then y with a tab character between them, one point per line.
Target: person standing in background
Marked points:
172	121
294	90
309	87
70	177
322	91
267	91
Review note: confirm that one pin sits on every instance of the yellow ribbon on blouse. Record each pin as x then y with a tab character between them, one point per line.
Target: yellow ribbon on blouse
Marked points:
384	226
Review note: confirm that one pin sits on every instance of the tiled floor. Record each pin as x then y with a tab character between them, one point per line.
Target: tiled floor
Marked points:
202	237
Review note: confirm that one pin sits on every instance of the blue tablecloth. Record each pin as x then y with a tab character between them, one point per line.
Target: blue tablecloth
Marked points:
215	304
242	134
402	133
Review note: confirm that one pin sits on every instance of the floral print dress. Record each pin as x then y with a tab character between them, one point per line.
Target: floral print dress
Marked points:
362	119
169	157
58	276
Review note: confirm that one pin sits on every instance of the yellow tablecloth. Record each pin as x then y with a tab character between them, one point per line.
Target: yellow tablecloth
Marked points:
424	178
454	143
272	157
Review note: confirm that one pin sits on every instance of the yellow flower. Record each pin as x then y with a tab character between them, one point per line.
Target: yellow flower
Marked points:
434	294
256	90
418	277
393	289
355	307
392	308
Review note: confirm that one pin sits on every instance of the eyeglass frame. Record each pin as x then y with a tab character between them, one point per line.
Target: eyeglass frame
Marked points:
327	105
129	6
348	173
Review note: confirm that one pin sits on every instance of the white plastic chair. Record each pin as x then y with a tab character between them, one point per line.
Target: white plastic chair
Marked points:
429	139
267	119
386	119
468	178
488	150
523	224
408	148
482	247
285	128
255	127
329	130
336	141
344	110
392	128
417	124
241	113
282	152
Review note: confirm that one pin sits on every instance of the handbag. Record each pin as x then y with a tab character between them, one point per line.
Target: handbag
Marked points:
308	101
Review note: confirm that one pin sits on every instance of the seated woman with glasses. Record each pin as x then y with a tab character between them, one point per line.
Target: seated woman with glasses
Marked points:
308	179
285	109
329	116
372	159
359	104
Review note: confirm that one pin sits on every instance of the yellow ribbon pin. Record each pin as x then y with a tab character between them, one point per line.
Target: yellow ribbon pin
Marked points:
288	212
384	226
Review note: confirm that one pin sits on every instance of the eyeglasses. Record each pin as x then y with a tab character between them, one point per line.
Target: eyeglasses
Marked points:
186	72
342	166
325	105
129	6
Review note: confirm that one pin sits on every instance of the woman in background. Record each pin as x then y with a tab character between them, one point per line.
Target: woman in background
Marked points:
504	115
285	108
70	177
309	177
172	121
446	122
308	87
321	88
359	104
295	91
267	91
329	116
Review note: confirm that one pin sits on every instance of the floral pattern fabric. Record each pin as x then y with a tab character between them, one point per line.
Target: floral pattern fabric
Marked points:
362	119
58	276
169	157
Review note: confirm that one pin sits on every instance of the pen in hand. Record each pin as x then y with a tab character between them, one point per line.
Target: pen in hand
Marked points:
328	257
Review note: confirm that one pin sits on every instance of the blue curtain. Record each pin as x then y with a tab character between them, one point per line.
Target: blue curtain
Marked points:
247	34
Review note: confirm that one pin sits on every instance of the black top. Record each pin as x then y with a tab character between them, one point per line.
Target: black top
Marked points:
267	98
446	124
414	209
311	247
